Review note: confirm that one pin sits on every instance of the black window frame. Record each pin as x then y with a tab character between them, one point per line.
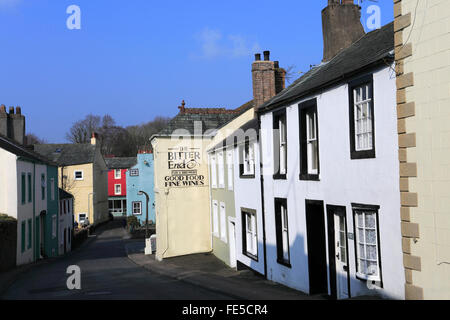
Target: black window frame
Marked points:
364	154
303	108
242	149
276	144
279	232
244	212
376	210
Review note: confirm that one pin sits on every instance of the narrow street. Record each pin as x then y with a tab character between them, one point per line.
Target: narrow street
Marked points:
106	273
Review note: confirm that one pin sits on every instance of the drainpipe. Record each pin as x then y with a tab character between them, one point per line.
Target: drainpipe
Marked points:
262	197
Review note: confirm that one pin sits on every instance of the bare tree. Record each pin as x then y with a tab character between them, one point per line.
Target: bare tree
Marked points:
81	131
141	134
291	74
32	139
113	139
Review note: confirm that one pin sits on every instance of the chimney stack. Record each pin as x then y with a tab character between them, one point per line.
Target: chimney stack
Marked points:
12	124
94	138
341	24
268	79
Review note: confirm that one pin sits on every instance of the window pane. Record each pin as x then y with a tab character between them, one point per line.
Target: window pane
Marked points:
343	255
363	266
372	268
371	237
370	220
372	252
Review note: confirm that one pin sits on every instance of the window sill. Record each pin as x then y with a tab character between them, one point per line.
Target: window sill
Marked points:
309	177
278	176
247	176
249	255
284	263
364	277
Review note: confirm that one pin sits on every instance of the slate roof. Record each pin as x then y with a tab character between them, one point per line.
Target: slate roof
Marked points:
22	151
67	154
368	51
237	137
210	118
120	163
64	194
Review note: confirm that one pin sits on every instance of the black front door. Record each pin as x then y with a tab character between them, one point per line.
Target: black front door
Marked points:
317	259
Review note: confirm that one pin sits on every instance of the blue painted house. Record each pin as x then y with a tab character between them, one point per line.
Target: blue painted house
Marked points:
140	178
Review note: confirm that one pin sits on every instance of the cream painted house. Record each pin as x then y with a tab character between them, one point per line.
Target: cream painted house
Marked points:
183	223
84	174
422	40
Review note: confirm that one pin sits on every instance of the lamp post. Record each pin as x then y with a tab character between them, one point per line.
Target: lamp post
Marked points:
147	198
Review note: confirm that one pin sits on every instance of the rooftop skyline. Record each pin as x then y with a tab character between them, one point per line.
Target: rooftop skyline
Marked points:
138	60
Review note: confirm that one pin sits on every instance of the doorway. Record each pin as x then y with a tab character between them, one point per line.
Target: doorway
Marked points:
317	257
338	252
232	243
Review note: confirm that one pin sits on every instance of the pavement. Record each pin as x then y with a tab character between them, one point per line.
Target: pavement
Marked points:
113	268
208	272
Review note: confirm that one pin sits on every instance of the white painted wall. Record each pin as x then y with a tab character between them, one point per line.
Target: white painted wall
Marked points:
8	183
248	195
342	181
65	222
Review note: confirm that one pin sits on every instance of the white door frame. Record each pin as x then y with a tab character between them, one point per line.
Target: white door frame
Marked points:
232	241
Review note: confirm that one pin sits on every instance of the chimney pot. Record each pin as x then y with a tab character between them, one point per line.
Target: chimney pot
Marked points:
182	107
2	108
11	110
276	64
258	57
18	110
266	55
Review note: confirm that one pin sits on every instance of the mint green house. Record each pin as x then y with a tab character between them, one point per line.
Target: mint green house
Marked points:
51	220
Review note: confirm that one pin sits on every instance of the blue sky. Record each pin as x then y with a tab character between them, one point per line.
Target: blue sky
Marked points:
138	59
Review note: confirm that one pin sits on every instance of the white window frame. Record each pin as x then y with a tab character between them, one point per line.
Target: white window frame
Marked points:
223	222
133	208
213	171
115	189
284	232
117	174
215	217
54	217
283	144
75	175
221	169
363	121
134	172
251	234
374	275
52	189
311	140
249	158
230	163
